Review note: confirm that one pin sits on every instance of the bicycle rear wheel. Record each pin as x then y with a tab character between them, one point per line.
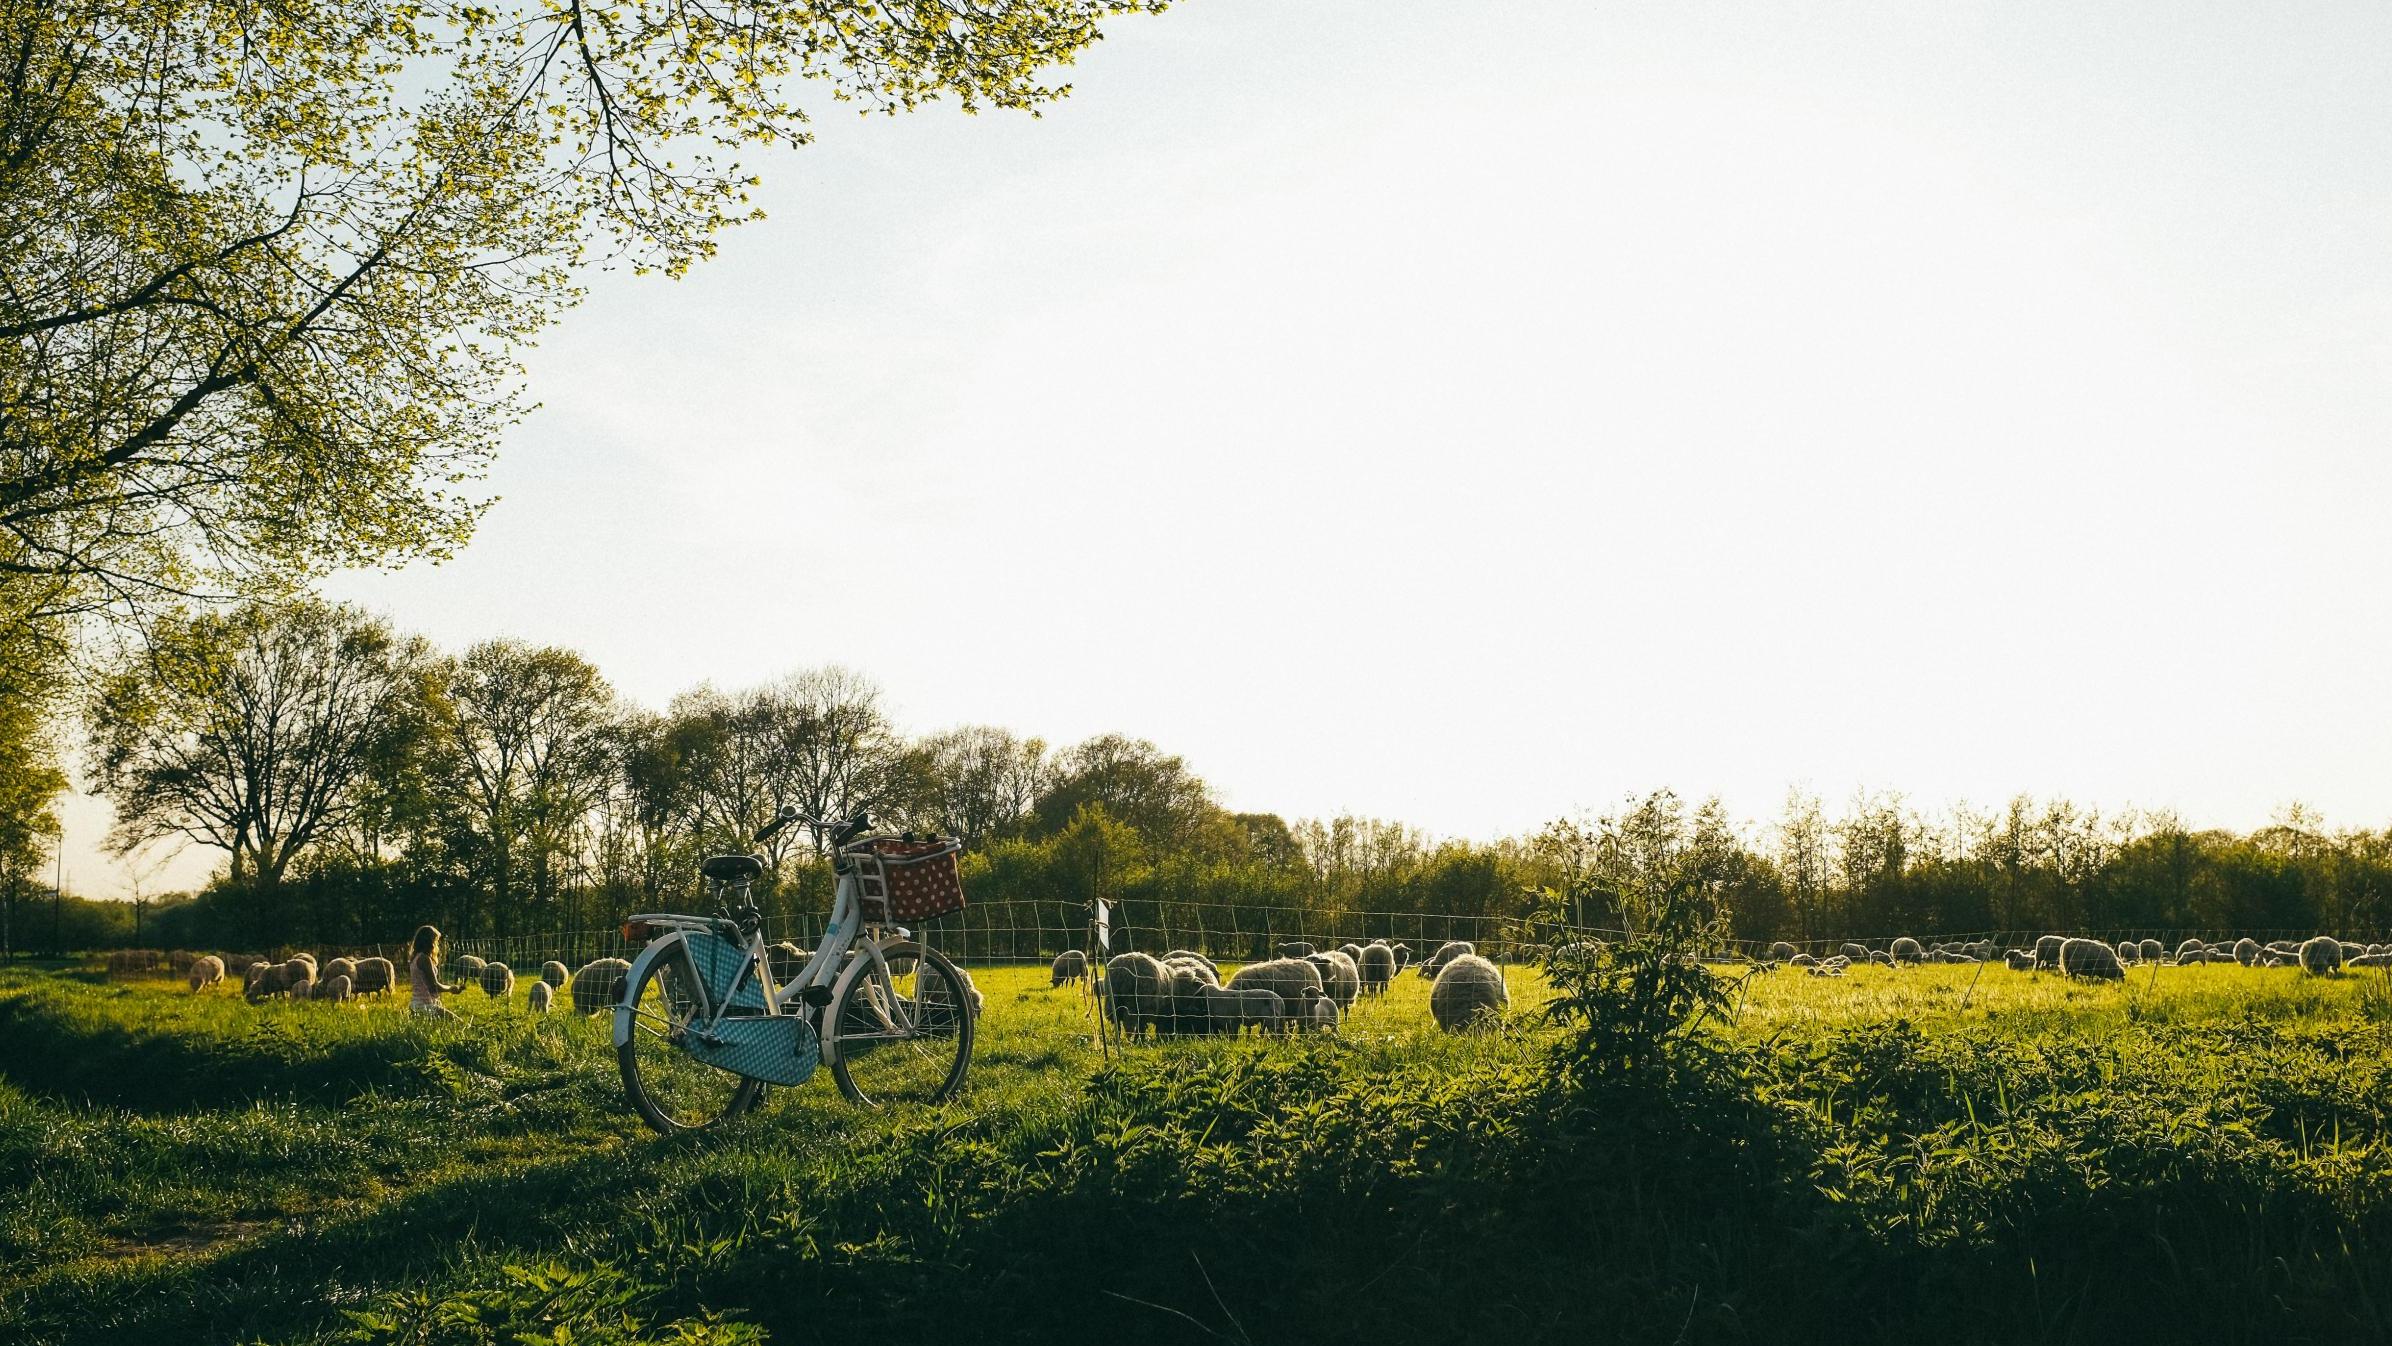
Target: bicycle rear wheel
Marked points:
673	1091
902	1033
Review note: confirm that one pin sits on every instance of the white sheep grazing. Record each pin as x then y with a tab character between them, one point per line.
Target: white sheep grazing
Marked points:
1133	990
599	985
1857	953
1446	953
498	980
1228	1011
1339	977
1804	960
541	998
470	966
2019	960
1071	965
375	976
334	987
1288	978
1196	965
1375	968
1314	1012
1907	950
340	967
1468	988
2151	951
556	974
1782	951
307	959
2321	956
2090	958
2047	952
206	971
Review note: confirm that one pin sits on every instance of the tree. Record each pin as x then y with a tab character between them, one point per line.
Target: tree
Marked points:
524	754
265	267
1136	784
832	749
983	781
30	783
250	731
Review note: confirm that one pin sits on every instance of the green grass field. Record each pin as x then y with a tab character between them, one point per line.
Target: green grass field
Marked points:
1998	1156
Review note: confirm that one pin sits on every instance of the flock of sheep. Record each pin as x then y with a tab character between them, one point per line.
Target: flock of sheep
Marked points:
597	986
1304	989
2320	956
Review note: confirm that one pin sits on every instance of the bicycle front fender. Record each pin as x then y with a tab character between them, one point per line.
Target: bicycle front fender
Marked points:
861	959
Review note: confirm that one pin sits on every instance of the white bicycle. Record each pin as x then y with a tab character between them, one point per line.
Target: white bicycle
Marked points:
704	1027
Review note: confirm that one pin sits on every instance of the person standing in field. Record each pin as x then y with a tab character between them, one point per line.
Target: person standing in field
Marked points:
423	977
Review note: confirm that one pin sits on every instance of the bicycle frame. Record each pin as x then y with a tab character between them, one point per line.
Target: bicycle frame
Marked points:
824	968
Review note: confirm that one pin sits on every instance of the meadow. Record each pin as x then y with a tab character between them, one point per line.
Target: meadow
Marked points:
1973	1154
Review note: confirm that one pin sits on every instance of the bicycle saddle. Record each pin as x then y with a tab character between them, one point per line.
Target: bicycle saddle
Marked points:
731	868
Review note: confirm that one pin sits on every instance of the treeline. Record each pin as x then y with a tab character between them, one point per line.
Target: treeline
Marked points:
358	782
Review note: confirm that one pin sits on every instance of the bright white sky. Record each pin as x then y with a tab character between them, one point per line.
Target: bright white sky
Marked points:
1466	414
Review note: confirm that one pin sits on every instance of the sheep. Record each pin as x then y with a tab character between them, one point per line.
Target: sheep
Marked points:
1339	977
1285	976
2127	951
498	980
1804	960
2366	960
541	997
255	974
308	958
1071	965
1197	966
1403	956
471	966
2090	958
1228	1010
1906	950
556	974
334	987
238	964
1881	958
2047	952
2019	960
1295	948
1314	1012
599	985
1468	988
1133	990
1191	956
2150	951
1376	968
1981	950
2246	951
1858	953
1446	953
1353	951
375	976
2321	956
206	972
1782	951
1180	1006
294	979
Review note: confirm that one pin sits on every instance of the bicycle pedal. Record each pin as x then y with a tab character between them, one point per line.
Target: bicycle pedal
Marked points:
817	996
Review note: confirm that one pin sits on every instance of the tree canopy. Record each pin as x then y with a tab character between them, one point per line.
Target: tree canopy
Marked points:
266	267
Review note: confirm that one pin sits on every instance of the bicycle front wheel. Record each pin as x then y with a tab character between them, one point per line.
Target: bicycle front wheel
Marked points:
672	1090
901	1031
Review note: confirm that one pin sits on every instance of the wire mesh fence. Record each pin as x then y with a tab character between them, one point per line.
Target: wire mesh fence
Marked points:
1035	931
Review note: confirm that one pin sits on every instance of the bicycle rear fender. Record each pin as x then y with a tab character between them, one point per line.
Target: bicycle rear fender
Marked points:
706	951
